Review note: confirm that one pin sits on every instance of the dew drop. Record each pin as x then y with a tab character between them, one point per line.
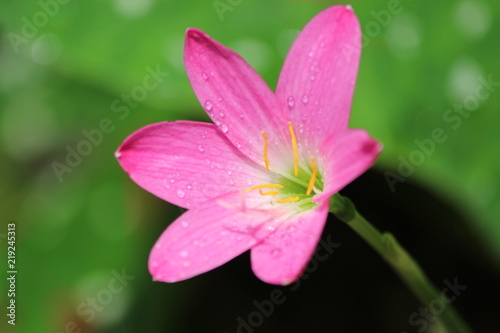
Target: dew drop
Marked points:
311	53
314	68
305	99
180	193
312	78
201	148
275	251
172	181
204	134
184	224
184	254
249	181
224	128
189	186
241	115
220	99
205	76
221	114
291	102
208	106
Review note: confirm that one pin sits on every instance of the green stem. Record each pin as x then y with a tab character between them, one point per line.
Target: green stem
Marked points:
400	261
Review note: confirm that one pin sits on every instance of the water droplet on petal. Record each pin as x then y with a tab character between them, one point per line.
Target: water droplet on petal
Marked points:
184	224
189	186
205	76
208	106
224	128
291	102
311	53
312	78
221	114
204	134
184	254
305	99
249	181
180	193
275	251
201	148
220	99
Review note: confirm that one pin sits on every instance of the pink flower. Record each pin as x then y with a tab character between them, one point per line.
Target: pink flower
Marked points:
261	177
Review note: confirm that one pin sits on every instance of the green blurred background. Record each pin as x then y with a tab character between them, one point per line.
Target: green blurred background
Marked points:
66	66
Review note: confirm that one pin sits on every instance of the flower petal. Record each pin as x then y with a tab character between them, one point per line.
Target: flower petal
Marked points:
345	156
187	163
318	78
235	97
284	255
205	238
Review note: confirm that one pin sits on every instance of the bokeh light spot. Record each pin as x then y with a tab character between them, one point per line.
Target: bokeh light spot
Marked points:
46	49
133	8
473	18
403	36
463	78
256	52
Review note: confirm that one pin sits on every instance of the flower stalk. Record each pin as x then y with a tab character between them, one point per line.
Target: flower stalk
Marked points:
402	263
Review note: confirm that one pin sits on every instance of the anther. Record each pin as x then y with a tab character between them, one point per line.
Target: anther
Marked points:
265	186
313	177
289	199
268	192
295	150
266	142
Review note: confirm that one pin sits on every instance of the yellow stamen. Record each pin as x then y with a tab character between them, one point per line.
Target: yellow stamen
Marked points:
265	186
295	151
289	199
266	142
313	177
268	193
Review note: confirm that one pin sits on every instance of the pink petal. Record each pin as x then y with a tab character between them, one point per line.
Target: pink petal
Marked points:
187	163
344	157
235	97
205	238
318	78
282	257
